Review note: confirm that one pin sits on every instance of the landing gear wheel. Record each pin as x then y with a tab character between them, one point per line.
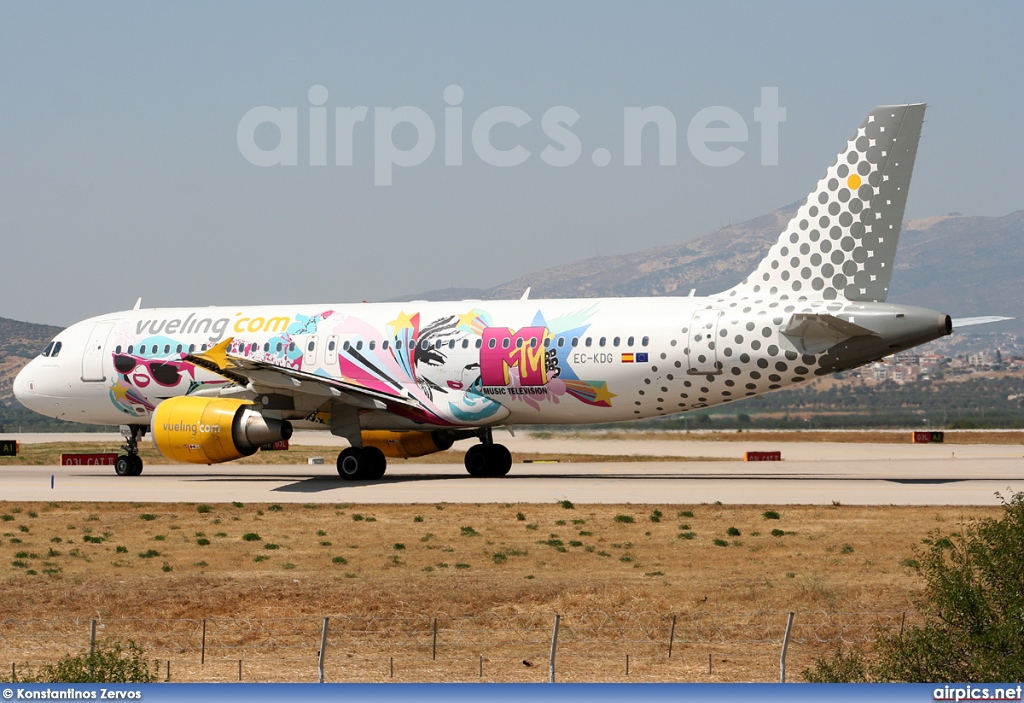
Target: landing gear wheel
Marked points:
376	463
123	466
499	460
351	464
130	464
476	460
362	464
485	461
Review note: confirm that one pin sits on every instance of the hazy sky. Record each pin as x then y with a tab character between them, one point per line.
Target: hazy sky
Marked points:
122	174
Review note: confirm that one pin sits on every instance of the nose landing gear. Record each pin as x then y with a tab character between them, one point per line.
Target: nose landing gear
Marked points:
130	464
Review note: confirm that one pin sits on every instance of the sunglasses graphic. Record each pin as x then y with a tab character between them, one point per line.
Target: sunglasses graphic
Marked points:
164	373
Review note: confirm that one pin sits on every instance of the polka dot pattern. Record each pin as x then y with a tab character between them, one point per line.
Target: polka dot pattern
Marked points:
834	256
842	241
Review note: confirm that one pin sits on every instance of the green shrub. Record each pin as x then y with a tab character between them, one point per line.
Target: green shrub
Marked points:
567	504
624	518
721	543
468	531
520	517
251	537
732	532
271	545
204	509
655	516
339	560
149	554
685	513
147	517
770	515
110	662
777	532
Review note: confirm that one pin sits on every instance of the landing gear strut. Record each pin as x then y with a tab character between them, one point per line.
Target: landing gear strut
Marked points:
362	464
130	464
487	459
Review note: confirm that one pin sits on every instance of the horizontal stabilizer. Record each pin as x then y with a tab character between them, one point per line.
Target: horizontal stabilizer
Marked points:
971	321
814	333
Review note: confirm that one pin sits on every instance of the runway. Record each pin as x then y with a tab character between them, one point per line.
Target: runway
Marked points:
811	473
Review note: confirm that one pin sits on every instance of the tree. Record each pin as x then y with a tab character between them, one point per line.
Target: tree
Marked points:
974	609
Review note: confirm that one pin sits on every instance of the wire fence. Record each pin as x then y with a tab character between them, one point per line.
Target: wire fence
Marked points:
591	646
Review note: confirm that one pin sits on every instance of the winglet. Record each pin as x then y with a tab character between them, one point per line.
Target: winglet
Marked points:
526	294
216	359
138	304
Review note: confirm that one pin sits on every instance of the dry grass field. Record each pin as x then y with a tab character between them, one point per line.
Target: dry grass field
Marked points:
266	575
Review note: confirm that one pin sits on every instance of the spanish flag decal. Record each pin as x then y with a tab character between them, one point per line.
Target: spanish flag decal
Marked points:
627	358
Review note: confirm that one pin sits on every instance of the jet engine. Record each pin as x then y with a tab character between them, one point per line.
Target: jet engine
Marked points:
403	445
213	430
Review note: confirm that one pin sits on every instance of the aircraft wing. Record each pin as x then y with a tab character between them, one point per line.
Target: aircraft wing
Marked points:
984	320
265	377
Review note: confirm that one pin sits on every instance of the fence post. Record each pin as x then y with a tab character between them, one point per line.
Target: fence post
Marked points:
392	667
785	645
202	659
14	674
168	670
239	669
627	665
433	654
554	646
323	650
903	621
671	636
481	666
709	663
92	637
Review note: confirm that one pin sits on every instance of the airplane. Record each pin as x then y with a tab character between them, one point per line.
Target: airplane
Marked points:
408	379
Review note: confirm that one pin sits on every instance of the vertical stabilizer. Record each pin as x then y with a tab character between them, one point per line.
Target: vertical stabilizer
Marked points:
842	241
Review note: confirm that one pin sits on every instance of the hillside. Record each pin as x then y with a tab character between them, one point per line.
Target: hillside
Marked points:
19	342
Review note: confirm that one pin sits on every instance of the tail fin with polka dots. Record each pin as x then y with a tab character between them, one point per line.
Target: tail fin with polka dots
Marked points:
842	241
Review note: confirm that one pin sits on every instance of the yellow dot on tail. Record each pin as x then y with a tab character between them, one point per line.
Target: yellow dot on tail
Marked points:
853	182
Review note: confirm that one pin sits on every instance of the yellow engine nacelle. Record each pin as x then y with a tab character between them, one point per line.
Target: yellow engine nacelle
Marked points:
212	430
403	445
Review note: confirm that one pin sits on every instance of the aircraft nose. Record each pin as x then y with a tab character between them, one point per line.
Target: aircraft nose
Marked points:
24	386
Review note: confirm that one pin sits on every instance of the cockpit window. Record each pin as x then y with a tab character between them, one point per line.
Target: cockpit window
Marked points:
49	348
56	349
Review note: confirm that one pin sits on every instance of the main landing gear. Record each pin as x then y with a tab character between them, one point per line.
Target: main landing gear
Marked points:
130	464
362	464
487	459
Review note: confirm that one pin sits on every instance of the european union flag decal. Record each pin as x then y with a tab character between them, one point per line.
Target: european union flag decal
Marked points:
641	358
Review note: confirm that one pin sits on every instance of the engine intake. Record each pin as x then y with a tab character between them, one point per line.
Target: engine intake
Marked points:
213	430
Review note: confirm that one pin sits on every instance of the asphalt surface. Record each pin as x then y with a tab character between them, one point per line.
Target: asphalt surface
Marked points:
810	473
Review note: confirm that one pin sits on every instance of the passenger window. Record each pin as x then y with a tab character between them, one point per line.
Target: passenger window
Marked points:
506	343
373	345
600	342
142	350
451	343
398	344
179	348
465	344
644	341
330	345
291	346
345	345
359	345
575	341
629	342
384	345
309	347
117	349
519	343
191	348
424	344
561	342
587	342
167	349
266	346
279	347
492	343
480	343
615	342
131	346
